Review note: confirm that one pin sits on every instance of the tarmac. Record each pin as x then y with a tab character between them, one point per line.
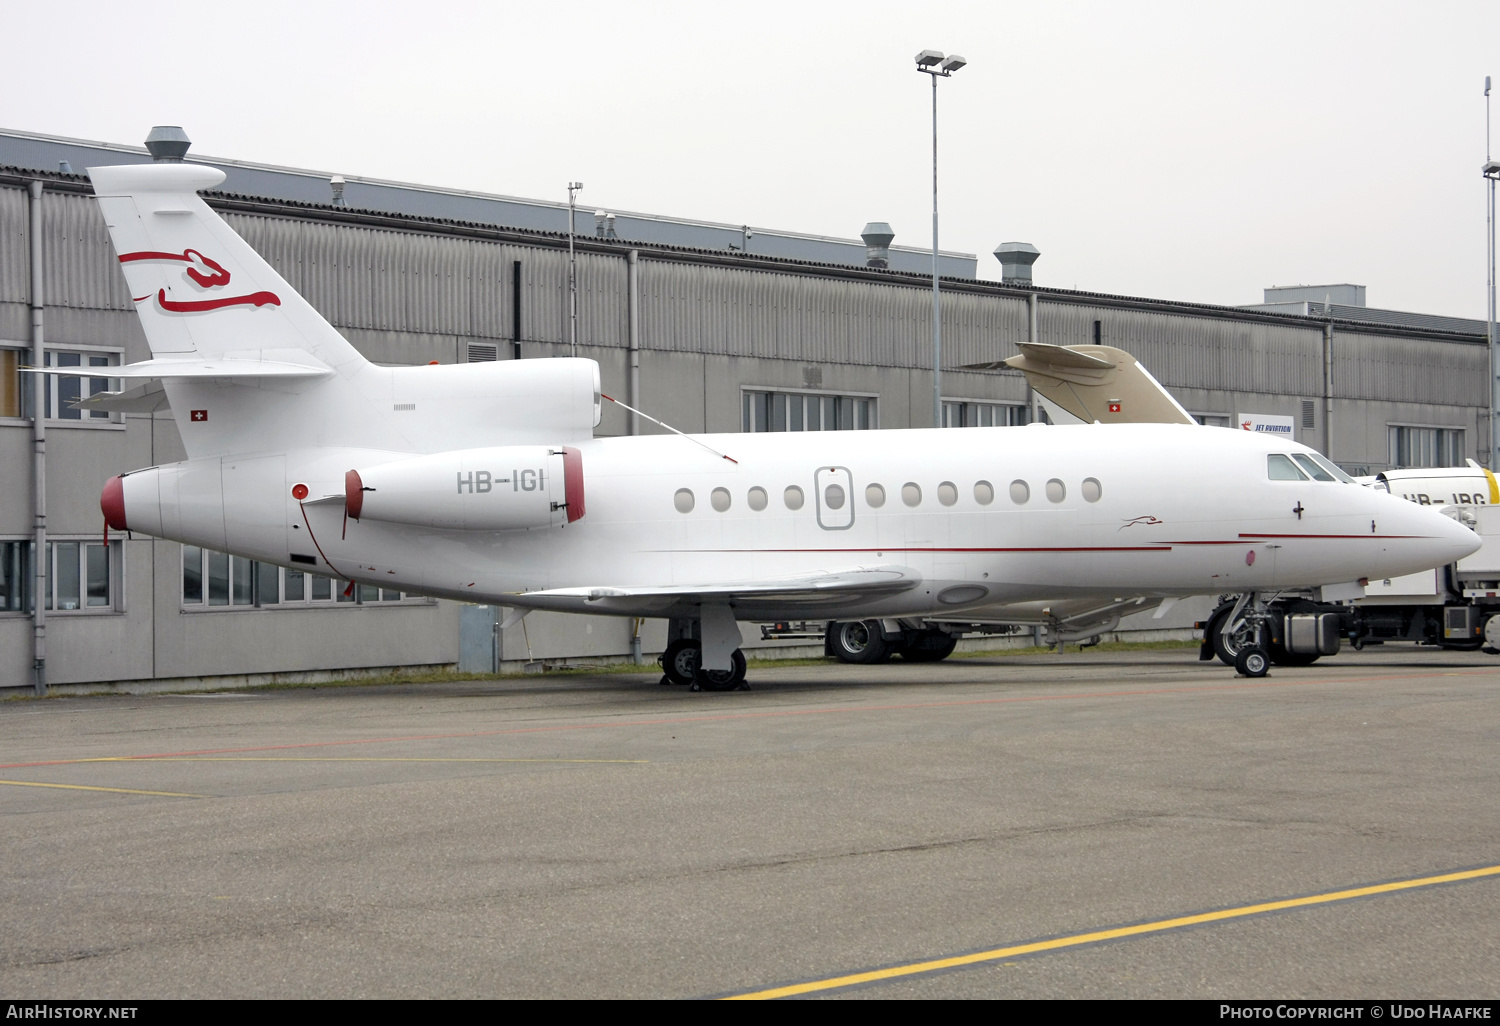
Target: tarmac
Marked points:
1115	825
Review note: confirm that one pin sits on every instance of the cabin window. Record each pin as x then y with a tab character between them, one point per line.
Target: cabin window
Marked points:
1020	492
1281	468
1314	471
792	497
719	499
947	493
683	500
984	493
756	498
911	493
1056	491
874	496
833	496
1091	489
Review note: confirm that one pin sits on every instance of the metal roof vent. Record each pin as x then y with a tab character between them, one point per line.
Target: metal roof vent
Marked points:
1016	259
878	237
168	144
337	183
604	224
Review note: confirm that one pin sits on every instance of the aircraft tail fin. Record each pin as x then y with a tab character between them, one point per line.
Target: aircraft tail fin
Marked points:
198	287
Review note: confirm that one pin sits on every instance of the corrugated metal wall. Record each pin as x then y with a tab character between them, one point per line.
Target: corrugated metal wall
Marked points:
417	284
82	270
728	311
1183	351
13	249
1410	370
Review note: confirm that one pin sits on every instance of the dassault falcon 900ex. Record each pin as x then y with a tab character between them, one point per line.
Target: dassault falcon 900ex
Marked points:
468	481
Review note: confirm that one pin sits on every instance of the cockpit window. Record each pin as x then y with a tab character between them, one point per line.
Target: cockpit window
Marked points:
1281	468
1316	472
1333	468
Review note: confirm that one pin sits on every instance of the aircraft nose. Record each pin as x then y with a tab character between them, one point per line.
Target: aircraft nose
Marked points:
1437	539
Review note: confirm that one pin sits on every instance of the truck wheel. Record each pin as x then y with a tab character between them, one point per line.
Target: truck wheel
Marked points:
928	646
857	641
1252	662
1227	648
1281	657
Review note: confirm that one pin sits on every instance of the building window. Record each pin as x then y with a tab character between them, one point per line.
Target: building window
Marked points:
963	413
213	579
1212	419
12	391
60	391
1426	447
81	576
807	411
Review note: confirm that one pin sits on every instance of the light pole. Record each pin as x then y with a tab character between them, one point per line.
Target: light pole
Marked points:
573	188
933	63
1491	172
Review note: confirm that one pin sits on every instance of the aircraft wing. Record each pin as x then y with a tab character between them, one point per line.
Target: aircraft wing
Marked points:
815	589
1096	384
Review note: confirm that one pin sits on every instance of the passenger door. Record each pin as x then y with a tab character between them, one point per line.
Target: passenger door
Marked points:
834	495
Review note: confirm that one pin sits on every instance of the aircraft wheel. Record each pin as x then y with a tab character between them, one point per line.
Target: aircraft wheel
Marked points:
857	641
1252	662
722	680
929	646
679	663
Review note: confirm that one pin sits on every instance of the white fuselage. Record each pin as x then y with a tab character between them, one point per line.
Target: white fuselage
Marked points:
1154	510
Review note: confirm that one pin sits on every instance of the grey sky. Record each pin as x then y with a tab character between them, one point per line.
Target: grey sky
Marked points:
1179	150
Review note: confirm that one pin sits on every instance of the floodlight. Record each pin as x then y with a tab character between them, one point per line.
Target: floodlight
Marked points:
1491	169
953	63
927	58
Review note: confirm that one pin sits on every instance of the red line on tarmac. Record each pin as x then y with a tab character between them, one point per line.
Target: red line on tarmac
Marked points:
722	717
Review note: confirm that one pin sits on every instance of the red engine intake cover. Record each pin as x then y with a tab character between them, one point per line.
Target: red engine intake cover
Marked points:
354	494
112	502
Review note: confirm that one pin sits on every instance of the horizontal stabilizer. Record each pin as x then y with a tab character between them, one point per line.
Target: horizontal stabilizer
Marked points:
144	398
247	363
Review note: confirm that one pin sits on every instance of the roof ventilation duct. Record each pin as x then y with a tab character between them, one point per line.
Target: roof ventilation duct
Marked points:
337	183
1016	259
168	144
878	237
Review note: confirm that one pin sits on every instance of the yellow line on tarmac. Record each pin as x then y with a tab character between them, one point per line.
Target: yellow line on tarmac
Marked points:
116	790
156	758
1076	940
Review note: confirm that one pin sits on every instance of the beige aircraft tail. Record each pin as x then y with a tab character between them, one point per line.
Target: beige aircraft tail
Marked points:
1097	384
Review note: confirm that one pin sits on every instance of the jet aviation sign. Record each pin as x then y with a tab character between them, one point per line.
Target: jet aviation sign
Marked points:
205	272
1265	423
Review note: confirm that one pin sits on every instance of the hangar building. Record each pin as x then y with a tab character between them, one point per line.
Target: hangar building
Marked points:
710	327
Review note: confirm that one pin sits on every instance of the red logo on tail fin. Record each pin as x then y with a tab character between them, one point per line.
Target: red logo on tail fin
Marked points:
215	276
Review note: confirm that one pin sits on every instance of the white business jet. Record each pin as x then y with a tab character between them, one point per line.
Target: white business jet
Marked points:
484	483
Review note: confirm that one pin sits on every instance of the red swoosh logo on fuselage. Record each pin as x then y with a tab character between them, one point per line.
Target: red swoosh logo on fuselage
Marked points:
201	305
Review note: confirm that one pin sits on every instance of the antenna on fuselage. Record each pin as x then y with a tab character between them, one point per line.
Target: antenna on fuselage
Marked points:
670	428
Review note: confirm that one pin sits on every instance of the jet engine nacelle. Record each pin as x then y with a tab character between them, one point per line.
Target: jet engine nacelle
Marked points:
506	488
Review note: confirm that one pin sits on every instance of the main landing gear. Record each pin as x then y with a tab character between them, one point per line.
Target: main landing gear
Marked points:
679	665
